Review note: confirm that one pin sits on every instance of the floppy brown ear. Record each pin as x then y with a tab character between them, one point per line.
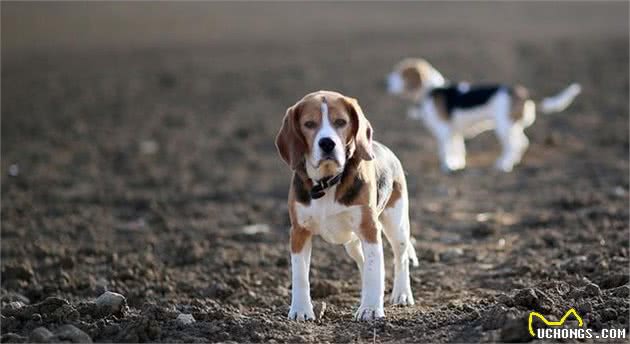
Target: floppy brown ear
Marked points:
289	141
412	75
363	133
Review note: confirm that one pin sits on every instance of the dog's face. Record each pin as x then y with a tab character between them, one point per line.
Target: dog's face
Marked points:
411	77
324	130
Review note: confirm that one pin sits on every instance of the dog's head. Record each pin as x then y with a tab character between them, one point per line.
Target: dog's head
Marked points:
411	77
324	130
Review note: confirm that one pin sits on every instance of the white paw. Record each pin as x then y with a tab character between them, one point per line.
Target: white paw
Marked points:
302	312
504	166
452	167
365	313
402	297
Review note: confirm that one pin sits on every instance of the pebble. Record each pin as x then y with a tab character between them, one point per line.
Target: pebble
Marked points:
111	303
451	254
41	335
320	310
73	334
527	298
185	319
256	228
592	289
609	314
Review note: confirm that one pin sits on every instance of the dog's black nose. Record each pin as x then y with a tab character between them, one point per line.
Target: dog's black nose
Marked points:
326	144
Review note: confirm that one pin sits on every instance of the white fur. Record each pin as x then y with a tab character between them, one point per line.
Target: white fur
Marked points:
395	83
339	224
373	283
326	131
560	101
301	305
396	229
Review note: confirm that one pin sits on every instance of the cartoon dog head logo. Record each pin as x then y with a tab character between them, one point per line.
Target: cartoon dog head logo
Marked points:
553	323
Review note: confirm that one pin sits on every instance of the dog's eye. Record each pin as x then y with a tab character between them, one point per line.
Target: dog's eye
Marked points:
340	123
310	124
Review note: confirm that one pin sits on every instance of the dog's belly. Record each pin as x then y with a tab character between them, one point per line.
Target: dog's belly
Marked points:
471	122
334	222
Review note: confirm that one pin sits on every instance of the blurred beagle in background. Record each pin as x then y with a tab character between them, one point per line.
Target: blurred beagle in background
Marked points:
454	111
346	188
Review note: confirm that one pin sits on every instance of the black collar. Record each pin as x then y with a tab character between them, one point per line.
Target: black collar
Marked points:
317	191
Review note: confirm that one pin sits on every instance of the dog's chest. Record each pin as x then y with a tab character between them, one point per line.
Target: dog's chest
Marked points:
334	222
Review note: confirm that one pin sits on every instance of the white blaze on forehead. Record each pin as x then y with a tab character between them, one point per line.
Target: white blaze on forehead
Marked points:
324	107
327	129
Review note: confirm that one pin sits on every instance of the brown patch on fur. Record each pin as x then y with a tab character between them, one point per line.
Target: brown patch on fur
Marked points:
439	101
411	76
299	236
298	193
357	186
395	195
368	229
519	97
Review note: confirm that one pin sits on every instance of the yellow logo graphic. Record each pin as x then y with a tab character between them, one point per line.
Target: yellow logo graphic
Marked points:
553	323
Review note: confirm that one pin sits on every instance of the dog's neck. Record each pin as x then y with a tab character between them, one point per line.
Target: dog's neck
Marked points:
433	80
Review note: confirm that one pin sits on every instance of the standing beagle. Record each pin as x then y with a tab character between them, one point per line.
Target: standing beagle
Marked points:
453	112
347	189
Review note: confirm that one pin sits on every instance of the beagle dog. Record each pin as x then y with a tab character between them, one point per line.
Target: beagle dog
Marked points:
454	111
348	189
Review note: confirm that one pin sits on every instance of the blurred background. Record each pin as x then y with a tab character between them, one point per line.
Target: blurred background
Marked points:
138	157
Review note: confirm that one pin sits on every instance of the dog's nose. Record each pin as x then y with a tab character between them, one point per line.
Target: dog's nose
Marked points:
326	144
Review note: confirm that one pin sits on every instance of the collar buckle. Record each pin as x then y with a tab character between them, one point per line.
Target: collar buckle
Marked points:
318	189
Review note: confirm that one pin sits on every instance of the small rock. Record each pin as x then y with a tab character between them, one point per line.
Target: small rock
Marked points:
319	310
72	334
14	170
592	289
185	319
111	303
256	228
451	254
527	298
12	338
506	300
101	286
149	147
11	296
609	314
41	335
14	305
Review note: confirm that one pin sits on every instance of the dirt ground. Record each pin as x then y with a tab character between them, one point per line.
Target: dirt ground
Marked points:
138	158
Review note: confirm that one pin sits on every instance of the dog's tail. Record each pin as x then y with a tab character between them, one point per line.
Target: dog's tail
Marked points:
411	251
560	101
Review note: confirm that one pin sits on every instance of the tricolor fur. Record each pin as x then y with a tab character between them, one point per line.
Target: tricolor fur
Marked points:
454	111
323	135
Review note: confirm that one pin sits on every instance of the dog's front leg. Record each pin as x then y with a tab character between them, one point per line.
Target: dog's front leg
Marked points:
373	277
301	306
